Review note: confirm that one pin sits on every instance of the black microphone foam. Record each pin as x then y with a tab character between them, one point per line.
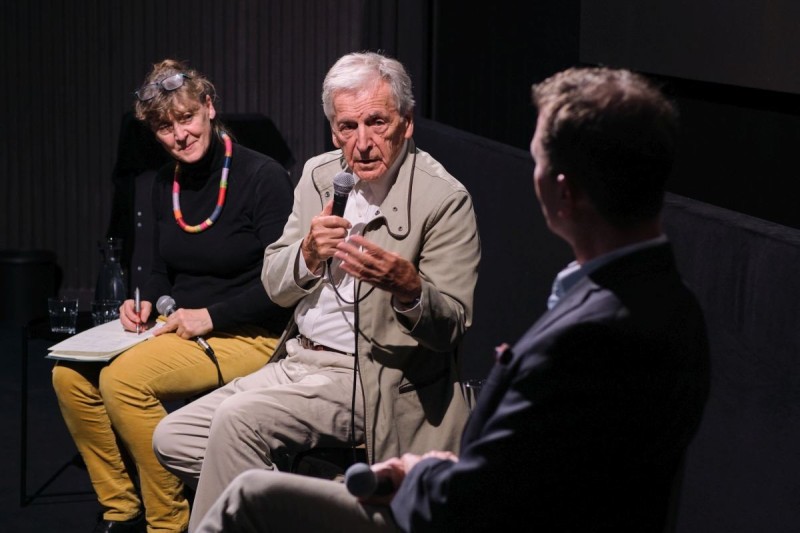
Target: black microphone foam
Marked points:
362	482
342	185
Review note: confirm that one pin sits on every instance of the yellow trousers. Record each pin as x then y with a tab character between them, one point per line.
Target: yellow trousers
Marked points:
111	407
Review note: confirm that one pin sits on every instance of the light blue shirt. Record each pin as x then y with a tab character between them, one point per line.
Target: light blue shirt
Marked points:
574	272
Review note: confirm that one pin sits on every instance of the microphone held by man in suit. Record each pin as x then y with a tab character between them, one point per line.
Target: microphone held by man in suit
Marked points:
362	482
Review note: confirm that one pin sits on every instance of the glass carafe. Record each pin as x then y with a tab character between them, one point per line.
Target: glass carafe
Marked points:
111	280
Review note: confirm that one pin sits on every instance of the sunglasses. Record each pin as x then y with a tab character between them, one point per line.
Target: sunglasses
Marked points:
149	91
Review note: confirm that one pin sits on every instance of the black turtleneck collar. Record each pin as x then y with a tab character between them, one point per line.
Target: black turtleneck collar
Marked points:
211	160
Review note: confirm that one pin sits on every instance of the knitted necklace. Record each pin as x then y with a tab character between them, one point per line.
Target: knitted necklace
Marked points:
223	187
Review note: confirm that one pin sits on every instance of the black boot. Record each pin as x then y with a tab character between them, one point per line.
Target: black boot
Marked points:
134	525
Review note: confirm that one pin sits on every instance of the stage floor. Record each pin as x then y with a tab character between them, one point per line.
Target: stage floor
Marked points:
67	504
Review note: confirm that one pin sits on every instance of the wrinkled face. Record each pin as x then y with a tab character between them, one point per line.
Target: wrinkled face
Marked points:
369	130
186	132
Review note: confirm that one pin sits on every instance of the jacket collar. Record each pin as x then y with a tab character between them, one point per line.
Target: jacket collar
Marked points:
395	208
612	275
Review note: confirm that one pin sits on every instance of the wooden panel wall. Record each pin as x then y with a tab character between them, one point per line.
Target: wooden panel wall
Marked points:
69	70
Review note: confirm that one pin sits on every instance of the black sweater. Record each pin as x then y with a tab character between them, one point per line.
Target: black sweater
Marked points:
220	268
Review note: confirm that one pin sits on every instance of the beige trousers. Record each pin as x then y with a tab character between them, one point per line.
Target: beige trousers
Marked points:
116	406
260	501
262	421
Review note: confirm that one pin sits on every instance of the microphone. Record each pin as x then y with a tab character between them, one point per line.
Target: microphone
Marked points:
342	185
166	306
362	482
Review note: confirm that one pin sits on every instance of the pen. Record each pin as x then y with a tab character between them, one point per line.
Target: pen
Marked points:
137	306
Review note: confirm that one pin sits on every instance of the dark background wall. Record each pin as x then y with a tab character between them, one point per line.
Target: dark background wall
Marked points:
732	66
69	71
70	68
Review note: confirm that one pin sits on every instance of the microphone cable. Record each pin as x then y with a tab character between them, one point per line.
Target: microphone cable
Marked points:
356	371
357	299
211	355
166	306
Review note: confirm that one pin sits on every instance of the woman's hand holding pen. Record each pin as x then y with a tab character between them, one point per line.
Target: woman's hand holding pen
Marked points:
131	319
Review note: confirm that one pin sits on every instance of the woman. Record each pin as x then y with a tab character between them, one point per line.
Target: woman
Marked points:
217	207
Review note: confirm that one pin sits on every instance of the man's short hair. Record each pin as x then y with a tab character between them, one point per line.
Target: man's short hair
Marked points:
614	134
354	71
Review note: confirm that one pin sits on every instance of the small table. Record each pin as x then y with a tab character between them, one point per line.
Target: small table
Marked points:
40	329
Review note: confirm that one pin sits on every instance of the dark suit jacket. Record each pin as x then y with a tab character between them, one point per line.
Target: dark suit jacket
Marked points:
583	426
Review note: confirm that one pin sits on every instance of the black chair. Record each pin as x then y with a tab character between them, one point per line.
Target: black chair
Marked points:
27	279
327	462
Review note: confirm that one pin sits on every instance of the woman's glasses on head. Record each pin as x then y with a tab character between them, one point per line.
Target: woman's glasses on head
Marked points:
170	83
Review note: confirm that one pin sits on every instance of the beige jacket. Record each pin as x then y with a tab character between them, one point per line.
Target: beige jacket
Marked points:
412	396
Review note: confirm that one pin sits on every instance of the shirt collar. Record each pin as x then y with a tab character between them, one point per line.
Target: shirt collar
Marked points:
573	272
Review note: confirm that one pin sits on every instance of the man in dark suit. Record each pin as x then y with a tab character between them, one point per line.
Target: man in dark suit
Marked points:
583	423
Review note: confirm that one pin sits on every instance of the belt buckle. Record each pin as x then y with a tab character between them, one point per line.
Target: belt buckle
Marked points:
307	343
302	341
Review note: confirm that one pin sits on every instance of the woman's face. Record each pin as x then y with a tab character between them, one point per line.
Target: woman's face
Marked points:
186	132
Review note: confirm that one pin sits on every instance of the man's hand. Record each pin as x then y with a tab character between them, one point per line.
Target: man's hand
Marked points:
187	323
395	469
386	270
325	233
392	469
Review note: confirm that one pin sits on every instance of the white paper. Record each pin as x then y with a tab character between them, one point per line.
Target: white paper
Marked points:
86	358
100	343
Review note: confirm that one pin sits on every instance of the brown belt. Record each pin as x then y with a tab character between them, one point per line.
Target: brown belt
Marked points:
308	344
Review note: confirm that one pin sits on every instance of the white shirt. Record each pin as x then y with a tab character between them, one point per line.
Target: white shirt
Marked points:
326	317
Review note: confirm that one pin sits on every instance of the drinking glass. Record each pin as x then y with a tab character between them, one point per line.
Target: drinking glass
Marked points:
63	314
105	311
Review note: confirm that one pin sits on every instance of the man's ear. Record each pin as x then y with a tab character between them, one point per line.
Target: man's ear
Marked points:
409	127
335	140
564	187
567	195
573	197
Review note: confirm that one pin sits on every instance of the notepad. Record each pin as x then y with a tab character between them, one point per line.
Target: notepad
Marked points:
101	343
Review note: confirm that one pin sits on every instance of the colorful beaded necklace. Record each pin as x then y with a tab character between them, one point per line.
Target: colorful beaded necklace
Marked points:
223	187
